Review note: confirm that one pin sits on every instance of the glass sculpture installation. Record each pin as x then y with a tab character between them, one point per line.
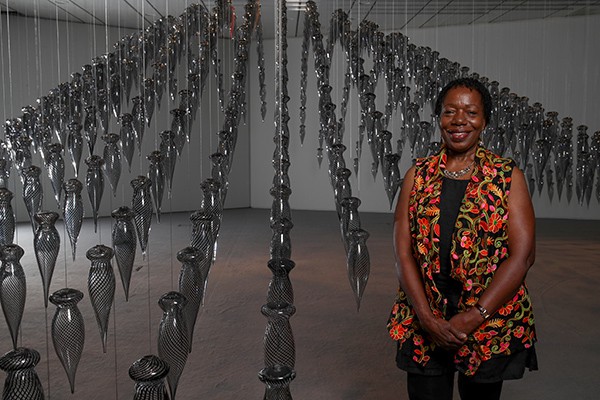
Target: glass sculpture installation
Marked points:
22	382
149	373
56	169
13	288
156	174
7	217
46	245
68	330
359	264
33	194
128	137
101	286
124	243
75	145
173	344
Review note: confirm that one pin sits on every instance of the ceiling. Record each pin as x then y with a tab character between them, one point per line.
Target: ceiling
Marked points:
389	14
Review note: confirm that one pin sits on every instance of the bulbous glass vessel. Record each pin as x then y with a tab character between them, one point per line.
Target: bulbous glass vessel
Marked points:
7	217
13	288
124	244
101	286
22	382
46	244
148	373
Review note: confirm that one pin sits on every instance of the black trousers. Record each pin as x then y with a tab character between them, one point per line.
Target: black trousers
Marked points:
441	387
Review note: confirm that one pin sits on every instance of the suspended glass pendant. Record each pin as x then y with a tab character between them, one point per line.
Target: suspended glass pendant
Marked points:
392	178
13	288
277	379
124	244
90	127
358	263
4	171
112	160
101	287
22	382
149	99
73	211
281	244
148	373
128	139
156	174
7	217
279	345
103	109
280	286
169	153
75	145
33	195
350	218
342	188
211	205
68	330
141	204
115	94
173	344
179	129
46	245
191	286
56	170
219	174
94	183
139	120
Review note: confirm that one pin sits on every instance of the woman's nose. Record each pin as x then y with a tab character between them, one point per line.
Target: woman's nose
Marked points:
459	117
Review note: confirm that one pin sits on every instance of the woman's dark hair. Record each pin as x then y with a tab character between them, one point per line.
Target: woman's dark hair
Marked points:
468	83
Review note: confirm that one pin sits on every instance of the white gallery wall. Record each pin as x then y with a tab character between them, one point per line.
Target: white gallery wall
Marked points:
36	55
553	61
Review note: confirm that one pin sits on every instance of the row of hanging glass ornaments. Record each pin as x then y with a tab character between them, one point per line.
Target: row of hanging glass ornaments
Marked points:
62	109
540	144
49	117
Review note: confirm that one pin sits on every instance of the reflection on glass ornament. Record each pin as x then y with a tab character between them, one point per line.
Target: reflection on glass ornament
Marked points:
173	344
156	174
124	244
280	286
22	382
56	169
68	330
359	264
7	217
279	339
141	204
32	191
101	286
94	182
277	380
112	160
46	245
191	286
148	373
73	211
13	288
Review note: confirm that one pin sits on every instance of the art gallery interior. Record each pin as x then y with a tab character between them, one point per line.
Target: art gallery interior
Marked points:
542	52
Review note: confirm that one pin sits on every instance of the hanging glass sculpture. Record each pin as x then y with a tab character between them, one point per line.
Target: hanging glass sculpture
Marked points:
359	264
279	339
124	244
22	382
281	244
139	120
277	379
7	217
169	153
32	191
90	127
128	139
112	160
13	288
141	204
75	145
280	287
46	245
173	344
148	373
56	170
156	174
94	182
191	286
101	286
211	205
350	218
73	211
4	170
68	330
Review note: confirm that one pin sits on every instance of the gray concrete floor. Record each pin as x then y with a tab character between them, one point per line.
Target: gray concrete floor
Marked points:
341	353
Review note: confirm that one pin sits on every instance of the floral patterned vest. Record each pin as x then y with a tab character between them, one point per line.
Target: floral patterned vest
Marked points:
479	246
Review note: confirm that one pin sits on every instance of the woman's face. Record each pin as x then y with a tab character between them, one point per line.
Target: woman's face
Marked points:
462	119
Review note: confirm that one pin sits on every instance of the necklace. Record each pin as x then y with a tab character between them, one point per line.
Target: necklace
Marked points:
459	173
